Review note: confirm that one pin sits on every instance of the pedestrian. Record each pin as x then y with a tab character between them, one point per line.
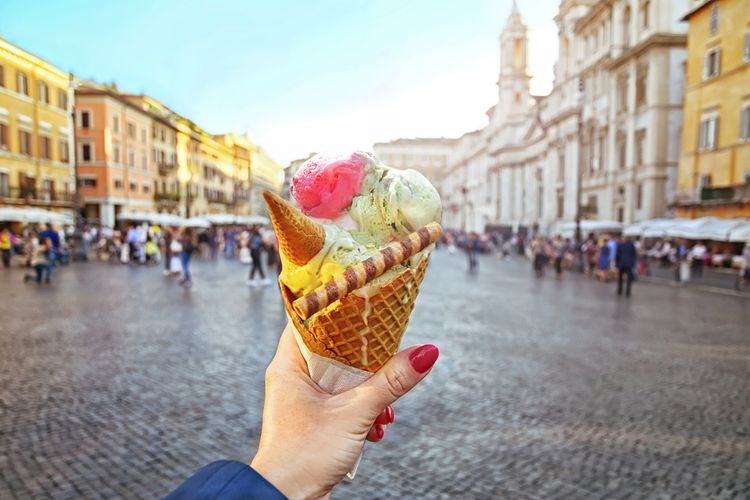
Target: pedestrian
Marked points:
697	256
558	249
256	247
213	242
175	252
167	238
186	241
538	249
589	250
6	244
604	260
54	238
271	244
625	257
41	255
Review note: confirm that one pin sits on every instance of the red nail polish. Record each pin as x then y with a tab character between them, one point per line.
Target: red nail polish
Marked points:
390	414
423	357
379	431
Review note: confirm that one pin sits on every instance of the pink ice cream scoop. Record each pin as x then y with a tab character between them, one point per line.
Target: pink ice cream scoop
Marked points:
325	185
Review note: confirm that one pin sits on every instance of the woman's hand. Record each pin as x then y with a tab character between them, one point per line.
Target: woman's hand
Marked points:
311	439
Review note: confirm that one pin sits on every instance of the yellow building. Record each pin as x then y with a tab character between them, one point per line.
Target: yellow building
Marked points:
36	132
714	172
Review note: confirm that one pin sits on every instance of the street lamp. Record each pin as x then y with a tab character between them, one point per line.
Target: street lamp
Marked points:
579	176
185	175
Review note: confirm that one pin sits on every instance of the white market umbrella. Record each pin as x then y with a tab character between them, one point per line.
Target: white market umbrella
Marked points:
34	215
167	220
198	222
741	233
253	220
135	216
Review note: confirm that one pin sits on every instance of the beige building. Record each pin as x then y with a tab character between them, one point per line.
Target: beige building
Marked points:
426	155
610	125
36	132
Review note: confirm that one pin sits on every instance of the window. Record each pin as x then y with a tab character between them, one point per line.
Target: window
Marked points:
4	184
163	135
89	182
154	155
745	122
154	132
620	214
2	76
133	187
560	206
115	123
640	146
62	99
626	28
622	92
645	7
745	53
713	22
144	160
712	63
641	84
131	130
593	204
43	92
146	188
64	153
87	153
118	183
561	166
131	158
24	138
85	119
3	136
45	147
143	134
116	153
705	181
22	83
639	196
603	149
621	151
707	133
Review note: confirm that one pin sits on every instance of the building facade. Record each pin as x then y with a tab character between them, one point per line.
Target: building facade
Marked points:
116	172
604	144
427	155
36	132
138	155
714	173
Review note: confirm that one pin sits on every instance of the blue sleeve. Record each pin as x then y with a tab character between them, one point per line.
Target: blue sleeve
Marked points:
226	479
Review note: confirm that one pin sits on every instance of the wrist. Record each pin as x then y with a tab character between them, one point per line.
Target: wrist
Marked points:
283	476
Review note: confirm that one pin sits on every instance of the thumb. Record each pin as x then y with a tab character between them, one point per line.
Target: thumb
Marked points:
397	377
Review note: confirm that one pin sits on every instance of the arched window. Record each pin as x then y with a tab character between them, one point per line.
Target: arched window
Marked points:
517	53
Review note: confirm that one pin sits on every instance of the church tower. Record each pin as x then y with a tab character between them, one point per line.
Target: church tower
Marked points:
513	84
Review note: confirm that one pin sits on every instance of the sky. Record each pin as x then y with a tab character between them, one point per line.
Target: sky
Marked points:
296	75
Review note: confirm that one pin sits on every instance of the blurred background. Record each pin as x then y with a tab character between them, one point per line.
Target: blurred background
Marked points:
555	131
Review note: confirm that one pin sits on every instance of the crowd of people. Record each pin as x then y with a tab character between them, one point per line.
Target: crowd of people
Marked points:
602	256
43	248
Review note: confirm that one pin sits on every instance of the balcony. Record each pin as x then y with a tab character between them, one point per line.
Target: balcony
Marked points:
714	196
166	168
161	196
37	198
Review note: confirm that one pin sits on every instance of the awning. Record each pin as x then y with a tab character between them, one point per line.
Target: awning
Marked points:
568	229
226	219
740	233
705	228
196	222
34	215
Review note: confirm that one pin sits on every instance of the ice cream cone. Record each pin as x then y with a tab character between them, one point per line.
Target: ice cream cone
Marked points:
300	238
363	329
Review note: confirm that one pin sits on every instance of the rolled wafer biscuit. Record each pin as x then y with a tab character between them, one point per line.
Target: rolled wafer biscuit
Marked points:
360	274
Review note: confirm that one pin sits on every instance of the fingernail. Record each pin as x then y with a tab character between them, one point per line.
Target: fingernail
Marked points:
390	414
423	357
379	431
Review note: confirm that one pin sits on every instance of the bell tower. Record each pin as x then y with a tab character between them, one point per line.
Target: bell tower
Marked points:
513	84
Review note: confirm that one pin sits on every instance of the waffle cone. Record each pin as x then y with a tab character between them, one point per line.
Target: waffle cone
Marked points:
300	238
362	332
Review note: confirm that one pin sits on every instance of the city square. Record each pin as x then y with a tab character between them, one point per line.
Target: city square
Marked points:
181	182
119	383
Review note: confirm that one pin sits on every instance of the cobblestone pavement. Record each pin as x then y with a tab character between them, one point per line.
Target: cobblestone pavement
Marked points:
115	382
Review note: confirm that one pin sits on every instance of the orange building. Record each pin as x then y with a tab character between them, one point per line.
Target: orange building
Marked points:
113	141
